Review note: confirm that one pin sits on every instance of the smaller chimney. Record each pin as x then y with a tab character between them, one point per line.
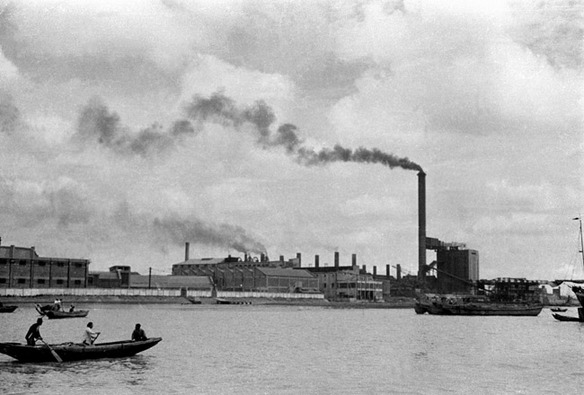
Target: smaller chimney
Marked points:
364	268
281	258
316	261
336	259
299	256
262	257
375	270
187	245
354	260
398	272
387	271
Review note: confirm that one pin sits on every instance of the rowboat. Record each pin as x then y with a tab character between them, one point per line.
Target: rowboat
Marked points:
58	314
76	351
53	315
561	317
7	309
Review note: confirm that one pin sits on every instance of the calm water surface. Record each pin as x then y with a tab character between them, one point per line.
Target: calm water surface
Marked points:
247	349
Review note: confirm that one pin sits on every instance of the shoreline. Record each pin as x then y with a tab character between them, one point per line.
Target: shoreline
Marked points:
397	303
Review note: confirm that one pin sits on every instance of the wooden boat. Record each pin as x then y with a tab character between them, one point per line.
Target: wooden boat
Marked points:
436	304
7	309
58	314
76	351
561	317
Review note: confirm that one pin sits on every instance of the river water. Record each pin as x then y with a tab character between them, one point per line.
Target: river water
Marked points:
249	349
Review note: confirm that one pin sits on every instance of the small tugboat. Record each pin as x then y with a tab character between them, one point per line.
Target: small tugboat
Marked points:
66	352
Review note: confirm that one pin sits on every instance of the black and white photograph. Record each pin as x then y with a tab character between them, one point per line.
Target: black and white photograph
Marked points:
291	196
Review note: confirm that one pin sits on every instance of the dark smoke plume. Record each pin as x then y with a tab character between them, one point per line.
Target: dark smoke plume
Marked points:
98	125
223	110
196	230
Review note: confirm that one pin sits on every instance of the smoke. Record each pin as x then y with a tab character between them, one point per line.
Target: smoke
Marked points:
97	124
223	110
223	235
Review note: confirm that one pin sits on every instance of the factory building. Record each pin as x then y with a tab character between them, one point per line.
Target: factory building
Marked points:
22	267
457	268
249	274
348	283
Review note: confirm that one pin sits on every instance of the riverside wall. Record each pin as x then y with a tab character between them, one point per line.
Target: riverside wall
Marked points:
26	292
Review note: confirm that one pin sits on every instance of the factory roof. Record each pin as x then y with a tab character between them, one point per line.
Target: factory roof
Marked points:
284	272
191	282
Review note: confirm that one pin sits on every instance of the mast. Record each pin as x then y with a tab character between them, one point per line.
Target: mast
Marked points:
581	240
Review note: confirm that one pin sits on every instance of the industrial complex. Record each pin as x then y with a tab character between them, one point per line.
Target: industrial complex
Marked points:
455	270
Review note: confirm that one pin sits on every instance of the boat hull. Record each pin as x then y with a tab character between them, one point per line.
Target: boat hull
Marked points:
561	317
469	305
7	309
76	351
55	315
494	309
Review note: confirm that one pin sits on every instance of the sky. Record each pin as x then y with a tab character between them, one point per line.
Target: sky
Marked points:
129	128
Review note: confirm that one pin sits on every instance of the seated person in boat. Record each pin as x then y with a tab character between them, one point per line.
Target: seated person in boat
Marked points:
138	334
71	309
89	335
34	333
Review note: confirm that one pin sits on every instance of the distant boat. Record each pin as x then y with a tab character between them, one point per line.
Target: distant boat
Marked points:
558	310
561	317
473	305
58	314
7	309
76	351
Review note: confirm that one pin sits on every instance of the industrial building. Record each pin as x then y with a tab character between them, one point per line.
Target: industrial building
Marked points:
22	267
348	283
249	274
457	268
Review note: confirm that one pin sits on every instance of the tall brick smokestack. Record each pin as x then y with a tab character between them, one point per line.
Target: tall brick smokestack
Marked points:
187	245
422	226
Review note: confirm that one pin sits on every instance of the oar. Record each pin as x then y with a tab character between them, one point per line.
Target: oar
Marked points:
96	336
57	357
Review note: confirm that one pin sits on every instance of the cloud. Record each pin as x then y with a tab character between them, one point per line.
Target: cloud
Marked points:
10	119
452	69
60	202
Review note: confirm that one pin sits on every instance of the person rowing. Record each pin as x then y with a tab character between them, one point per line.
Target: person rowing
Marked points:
138	334
89	335
34	333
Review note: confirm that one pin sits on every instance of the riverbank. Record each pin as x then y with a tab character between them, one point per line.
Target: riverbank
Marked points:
79	300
